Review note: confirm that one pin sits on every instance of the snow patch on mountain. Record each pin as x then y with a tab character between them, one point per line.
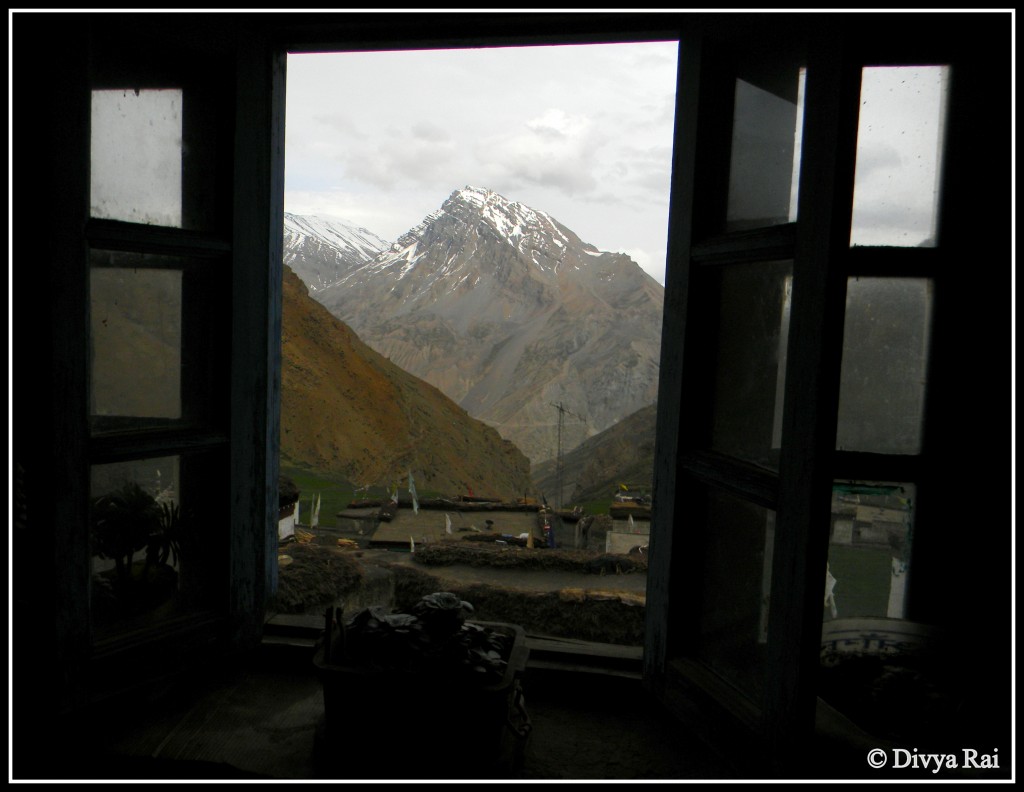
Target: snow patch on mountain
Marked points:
322	250
519	225
340	234
505	310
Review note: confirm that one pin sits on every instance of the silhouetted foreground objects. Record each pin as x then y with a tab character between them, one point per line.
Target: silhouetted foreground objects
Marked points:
425	694
435	638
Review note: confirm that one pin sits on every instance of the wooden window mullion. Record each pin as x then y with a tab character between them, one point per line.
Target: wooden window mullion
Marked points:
811	396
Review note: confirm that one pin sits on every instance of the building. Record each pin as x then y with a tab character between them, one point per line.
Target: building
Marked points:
288	509
730	469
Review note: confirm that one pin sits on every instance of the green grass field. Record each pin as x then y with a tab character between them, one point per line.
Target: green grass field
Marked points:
336	494
862	579
596	506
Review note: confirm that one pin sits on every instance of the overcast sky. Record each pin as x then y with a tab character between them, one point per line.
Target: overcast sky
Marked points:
584	133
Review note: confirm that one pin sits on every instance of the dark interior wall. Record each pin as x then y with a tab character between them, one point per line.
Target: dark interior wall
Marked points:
964	559
53	648
963	556
50	104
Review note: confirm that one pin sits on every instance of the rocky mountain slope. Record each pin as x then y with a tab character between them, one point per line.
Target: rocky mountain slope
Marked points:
508	312
349	412
621	454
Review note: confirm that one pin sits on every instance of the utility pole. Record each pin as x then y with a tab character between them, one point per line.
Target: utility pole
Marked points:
562	412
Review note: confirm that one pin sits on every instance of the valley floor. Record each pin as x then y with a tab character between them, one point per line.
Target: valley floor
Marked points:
575	595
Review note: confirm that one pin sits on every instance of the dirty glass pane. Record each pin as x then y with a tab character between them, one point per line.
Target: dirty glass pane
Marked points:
885	352
899	155
135	341
750	361
735	587
136	156
155	551
765	155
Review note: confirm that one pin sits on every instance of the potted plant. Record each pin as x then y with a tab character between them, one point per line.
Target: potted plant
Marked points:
435	688
128	521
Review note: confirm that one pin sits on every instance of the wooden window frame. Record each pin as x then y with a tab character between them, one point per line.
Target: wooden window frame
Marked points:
777	731
244	240
800	492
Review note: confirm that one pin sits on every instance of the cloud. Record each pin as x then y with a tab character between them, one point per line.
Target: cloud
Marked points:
555	123
430	133
574	131
388	215
644	172
422	154
896	222
555	149
898	154
341	125
569	175
874	158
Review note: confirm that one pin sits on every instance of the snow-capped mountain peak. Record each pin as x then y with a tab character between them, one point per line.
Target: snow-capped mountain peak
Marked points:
341	234
324	250
521	226
504	309
473	212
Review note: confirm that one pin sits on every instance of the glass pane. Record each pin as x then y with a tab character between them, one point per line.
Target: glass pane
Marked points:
869	550
152	555
878	668
765	155
735	589
750	363
885	352
137	156
136	340
899	155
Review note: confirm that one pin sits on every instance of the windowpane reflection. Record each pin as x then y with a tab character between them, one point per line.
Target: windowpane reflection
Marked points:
765	155
899	155
135	540
136	337
750	363
869	550
881	670
157	531
735	588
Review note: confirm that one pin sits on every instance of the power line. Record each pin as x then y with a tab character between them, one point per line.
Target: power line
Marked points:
562	412
506	423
